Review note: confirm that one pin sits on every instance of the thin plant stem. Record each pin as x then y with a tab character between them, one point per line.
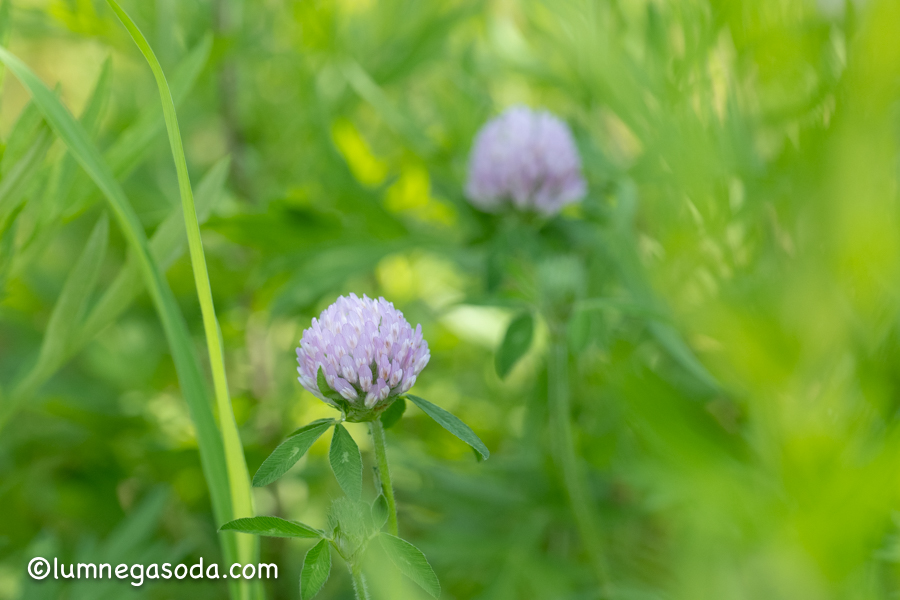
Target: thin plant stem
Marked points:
238	475
359	583
563	443
384	474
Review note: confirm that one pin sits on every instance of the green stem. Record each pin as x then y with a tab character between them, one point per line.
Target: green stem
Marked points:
563	443
383	473
359	583
238	476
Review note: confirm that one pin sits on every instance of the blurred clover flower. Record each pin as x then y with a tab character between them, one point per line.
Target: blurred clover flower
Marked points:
527	158
367	351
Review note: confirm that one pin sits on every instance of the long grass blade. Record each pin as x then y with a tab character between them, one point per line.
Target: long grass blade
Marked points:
239	478
167	245
131	146
212	454
62	180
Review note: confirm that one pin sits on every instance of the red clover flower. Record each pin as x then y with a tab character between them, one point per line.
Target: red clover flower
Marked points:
525	158
367	350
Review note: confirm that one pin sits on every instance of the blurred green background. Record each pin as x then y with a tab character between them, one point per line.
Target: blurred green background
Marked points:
735	399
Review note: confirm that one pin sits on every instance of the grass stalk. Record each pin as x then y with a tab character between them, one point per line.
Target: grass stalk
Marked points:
238	476
209	439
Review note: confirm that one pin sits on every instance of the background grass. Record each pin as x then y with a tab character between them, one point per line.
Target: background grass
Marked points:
733	370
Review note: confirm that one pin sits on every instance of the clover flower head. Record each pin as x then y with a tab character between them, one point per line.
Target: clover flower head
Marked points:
525	158
368	353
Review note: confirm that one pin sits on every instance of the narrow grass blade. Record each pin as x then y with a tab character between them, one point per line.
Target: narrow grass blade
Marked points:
15	182
62	326
166	246
73	298
21	137
133	144
212	453
238	476
90	118
62	180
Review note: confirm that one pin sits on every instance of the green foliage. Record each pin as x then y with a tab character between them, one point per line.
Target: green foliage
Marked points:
349	522
516	342
69	130
289	452
393	413
316	569
728	300
346	462
379	511
411	563
451	424
238	476
272	527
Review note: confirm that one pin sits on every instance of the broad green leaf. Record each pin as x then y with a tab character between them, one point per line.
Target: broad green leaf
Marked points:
287	454
515	343
451	424
272	527
393	413
190	376
346	462
236	464
411	563
379	511
316	569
